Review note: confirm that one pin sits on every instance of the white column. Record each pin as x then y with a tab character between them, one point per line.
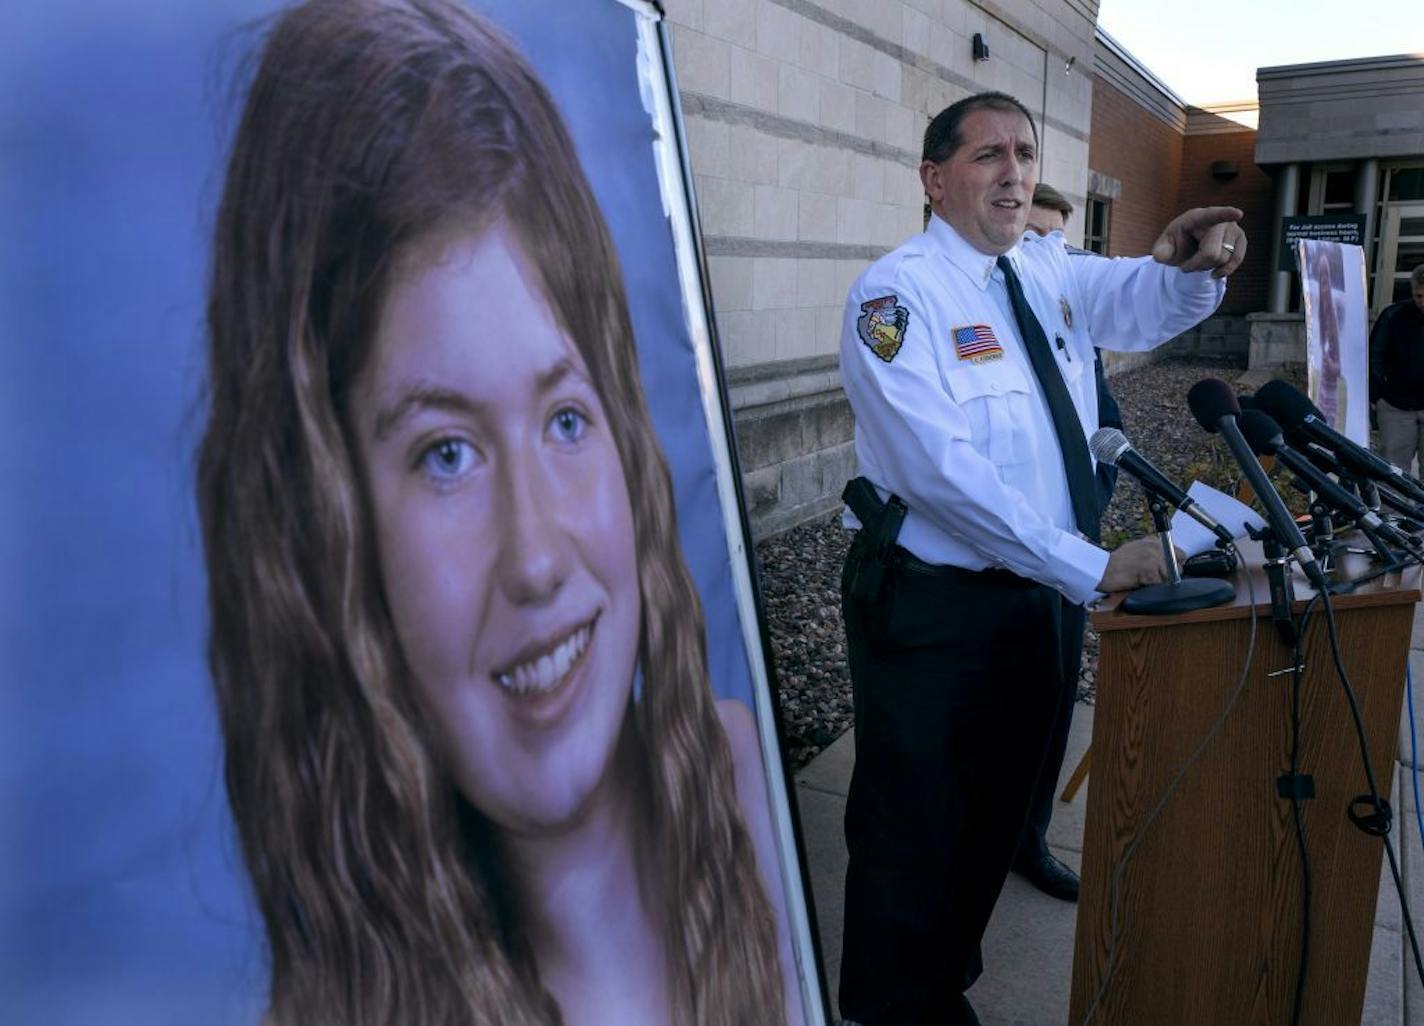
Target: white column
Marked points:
1366	188
1287	192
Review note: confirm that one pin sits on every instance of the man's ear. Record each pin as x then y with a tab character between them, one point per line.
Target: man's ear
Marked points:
932	178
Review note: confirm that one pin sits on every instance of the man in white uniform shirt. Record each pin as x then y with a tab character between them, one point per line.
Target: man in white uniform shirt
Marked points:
967	356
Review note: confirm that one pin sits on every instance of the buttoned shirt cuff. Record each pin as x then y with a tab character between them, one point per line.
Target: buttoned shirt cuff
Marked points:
1204	281
1081	565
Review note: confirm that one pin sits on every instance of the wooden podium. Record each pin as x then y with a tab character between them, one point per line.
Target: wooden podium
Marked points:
1210	902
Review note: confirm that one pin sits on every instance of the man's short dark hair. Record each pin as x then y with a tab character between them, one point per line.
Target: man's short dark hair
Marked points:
942	136
1416	277
1048	196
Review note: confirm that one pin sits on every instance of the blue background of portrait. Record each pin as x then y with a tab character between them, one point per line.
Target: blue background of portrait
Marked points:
123	898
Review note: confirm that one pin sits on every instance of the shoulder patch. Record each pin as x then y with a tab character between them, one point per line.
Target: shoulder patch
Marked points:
881	326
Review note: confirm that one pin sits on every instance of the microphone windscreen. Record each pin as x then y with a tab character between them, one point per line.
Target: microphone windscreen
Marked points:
1262	433
1285	404
1211	399
1107	445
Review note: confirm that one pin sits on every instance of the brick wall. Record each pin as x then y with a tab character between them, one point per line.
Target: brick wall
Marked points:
1252	190
1144	153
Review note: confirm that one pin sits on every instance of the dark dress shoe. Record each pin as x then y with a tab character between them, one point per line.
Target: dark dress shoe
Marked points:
963	1013
1049	875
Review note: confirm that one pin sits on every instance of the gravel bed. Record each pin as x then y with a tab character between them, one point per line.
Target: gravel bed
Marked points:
800	569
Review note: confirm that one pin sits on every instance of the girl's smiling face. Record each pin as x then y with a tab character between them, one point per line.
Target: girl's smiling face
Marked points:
504	528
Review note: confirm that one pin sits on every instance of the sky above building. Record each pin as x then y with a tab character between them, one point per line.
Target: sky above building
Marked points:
1208	51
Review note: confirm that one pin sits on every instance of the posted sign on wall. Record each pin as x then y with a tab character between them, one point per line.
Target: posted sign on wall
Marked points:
1346	229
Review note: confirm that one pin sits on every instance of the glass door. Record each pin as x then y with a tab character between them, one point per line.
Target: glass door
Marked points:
1401	250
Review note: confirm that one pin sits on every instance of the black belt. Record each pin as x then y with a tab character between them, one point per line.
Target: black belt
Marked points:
993	576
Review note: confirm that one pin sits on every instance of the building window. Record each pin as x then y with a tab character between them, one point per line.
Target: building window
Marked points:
1404	183
1400	234
1332	189
1339	191
1096	218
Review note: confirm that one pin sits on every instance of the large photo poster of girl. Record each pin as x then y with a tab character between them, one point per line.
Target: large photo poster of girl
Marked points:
1336	334
399	663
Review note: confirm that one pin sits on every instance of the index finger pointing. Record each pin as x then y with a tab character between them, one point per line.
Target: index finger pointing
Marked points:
1206	217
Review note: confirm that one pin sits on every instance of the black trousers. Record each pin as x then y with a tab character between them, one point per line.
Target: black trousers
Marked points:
957	678
1040	809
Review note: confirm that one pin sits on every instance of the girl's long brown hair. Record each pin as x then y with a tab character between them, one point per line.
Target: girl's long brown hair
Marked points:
369	124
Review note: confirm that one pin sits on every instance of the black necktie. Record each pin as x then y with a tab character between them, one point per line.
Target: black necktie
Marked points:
1077	464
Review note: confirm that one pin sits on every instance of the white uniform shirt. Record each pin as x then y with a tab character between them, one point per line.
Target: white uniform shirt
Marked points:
949	415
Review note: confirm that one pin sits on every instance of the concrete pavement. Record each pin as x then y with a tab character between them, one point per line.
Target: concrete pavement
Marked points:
1028	947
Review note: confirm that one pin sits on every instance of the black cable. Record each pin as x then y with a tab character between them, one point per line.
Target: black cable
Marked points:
1114	888
1295	794
1414	556
1354	584
1297	810
1298	813
1381	816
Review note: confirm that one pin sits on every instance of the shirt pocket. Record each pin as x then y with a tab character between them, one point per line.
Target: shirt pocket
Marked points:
1074	360
998	401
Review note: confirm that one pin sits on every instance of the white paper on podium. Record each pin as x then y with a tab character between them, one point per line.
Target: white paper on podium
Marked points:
1191	537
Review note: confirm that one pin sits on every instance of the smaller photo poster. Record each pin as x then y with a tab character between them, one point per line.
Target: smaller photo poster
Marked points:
1336	334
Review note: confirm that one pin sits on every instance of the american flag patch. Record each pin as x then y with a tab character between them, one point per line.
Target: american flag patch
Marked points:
976	343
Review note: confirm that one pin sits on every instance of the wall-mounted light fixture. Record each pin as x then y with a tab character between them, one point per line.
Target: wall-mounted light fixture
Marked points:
1224	170
1069	66
981	47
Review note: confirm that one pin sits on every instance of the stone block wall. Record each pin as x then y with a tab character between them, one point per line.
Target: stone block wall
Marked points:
794	439
1277	340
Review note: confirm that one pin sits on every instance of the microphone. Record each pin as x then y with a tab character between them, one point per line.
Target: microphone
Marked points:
1214	405
1373	494
1109	445
1298	415
1264	436
1325	460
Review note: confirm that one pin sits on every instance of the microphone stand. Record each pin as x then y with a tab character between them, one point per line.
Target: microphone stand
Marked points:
1176	595
1364	487
1322	534
1391	558
1369	494
1324	543
1277	567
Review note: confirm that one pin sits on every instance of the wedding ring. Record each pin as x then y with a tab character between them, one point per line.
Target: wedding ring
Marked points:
1228	247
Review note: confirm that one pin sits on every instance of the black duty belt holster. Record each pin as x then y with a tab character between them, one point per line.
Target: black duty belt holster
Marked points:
874	545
